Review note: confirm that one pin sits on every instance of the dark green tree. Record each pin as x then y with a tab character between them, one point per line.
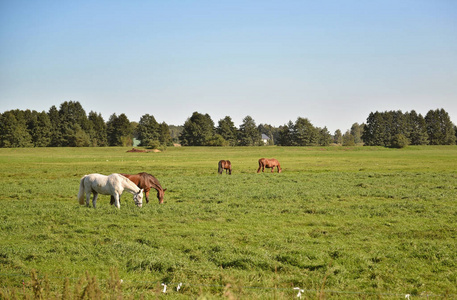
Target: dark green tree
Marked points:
119	130
338	137
198	130
164	135
227	130
249	135
373	132
388	128
74	125
440	129
324	137
13	130
148	131
80	138
382	127
56	134
285	134
304	133
417	128
98	133
40	129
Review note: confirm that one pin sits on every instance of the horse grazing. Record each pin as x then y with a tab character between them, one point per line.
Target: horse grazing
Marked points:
113	185
224	164
145	181
269	163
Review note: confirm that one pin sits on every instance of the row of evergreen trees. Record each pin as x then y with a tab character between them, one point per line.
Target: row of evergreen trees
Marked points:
397	129
200	130
70	126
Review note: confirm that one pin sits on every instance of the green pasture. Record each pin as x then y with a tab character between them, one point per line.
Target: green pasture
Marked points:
338	222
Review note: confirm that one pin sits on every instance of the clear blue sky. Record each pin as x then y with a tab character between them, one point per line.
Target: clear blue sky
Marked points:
332	62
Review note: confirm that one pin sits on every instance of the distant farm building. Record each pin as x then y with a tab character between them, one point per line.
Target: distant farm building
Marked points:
265	138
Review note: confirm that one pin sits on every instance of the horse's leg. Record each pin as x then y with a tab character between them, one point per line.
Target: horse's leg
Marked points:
117	200
94	201
111	200
260	166
146	193
88	199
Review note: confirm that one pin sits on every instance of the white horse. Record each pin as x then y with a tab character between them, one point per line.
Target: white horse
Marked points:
113	185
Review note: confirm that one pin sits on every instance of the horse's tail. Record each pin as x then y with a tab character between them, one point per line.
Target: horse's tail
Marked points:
219	169
81	191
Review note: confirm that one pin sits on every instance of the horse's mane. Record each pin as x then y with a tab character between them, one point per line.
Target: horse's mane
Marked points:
151	180
128	181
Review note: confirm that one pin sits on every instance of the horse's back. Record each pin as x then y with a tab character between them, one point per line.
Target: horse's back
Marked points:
228	164
103	184
268	162
273	162
95	178
224	165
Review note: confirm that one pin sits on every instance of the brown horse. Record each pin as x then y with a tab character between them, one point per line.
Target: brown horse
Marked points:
269	163
224	164
146	181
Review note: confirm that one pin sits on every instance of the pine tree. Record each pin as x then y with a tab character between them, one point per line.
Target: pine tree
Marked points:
98	134
338	137
148	131
416	128
226	128
285	136
249	135
198	130
304	133
324	137
440	129
13	131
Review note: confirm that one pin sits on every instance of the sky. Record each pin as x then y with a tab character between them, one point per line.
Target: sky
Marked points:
331	61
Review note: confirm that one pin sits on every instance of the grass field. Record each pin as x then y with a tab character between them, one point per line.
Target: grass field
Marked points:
338	222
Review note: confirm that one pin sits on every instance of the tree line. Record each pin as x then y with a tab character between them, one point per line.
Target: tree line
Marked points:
70	126
397	129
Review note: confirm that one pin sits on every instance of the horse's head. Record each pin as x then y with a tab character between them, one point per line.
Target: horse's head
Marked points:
138	198
160	194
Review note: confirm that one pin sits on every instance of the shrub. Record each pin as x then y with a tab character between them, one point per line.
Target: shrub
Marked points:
399	141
